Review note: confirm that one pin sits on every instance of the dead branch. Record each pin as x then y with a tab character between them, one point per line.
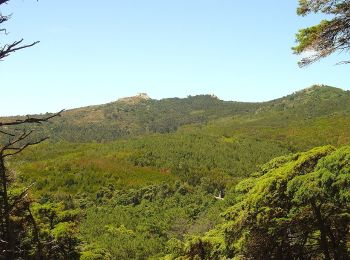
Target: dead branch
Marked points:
15	144
23	136
4	18
13	47
6	133
31	120
20	149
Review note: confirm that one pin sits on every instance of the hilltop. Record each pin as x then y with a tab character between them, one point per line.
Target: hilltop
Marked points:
142	115
291	121
135	116
135	99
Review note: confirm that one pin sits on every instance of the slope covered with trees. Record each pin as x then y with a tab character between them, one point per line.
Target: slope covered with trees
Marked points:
317	106
294	207
168	189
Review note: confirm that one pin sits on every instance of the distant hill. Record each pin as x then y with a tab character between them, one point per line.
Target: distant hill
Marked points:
134	116
314	116
318	100
140	115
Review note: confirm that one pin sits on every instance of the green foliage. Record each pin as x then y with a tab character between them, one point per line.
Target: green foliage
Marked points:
68	169
210	246
57	230
294	207
45	230
191	155
150	221
152	196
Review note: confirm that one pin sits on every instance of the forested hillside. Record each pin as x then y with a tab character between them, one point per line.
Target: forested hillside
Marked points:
185	178
138	115
294	207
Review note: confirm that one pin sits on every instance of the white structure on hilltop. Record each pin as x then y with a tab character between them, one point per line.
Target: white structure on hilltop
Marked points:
143	96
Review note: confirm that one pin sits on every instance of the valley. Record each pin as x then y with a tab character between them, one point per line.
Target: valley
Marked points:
140	178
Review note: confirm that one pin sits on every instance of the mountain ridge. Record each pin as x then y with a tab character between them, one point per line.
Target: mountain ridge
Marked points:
142	115
145	97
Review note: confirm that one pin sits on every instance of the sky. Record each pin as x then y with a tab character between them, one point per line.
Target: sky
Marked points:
94	52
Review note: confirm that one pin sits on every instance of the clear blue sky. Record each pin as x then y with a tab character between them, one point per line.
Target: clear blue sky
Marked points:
94	52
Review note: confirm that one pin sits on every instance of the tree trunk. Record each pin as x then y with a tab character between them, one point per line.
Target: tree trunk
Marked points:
323	230
5	209
36	235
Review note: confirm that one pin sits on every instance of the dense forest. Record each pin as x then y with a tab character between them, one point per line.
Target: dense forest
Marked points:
193	178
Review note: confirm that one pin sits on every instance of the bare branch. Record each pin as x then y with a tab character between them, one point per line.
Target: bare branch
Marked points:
343	62
20	149
31	120
23	136
6	133
13	47
4	18
14	146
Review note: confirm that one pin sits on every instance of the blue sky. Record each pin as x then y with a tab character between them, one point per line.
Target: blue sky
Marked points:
96	52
